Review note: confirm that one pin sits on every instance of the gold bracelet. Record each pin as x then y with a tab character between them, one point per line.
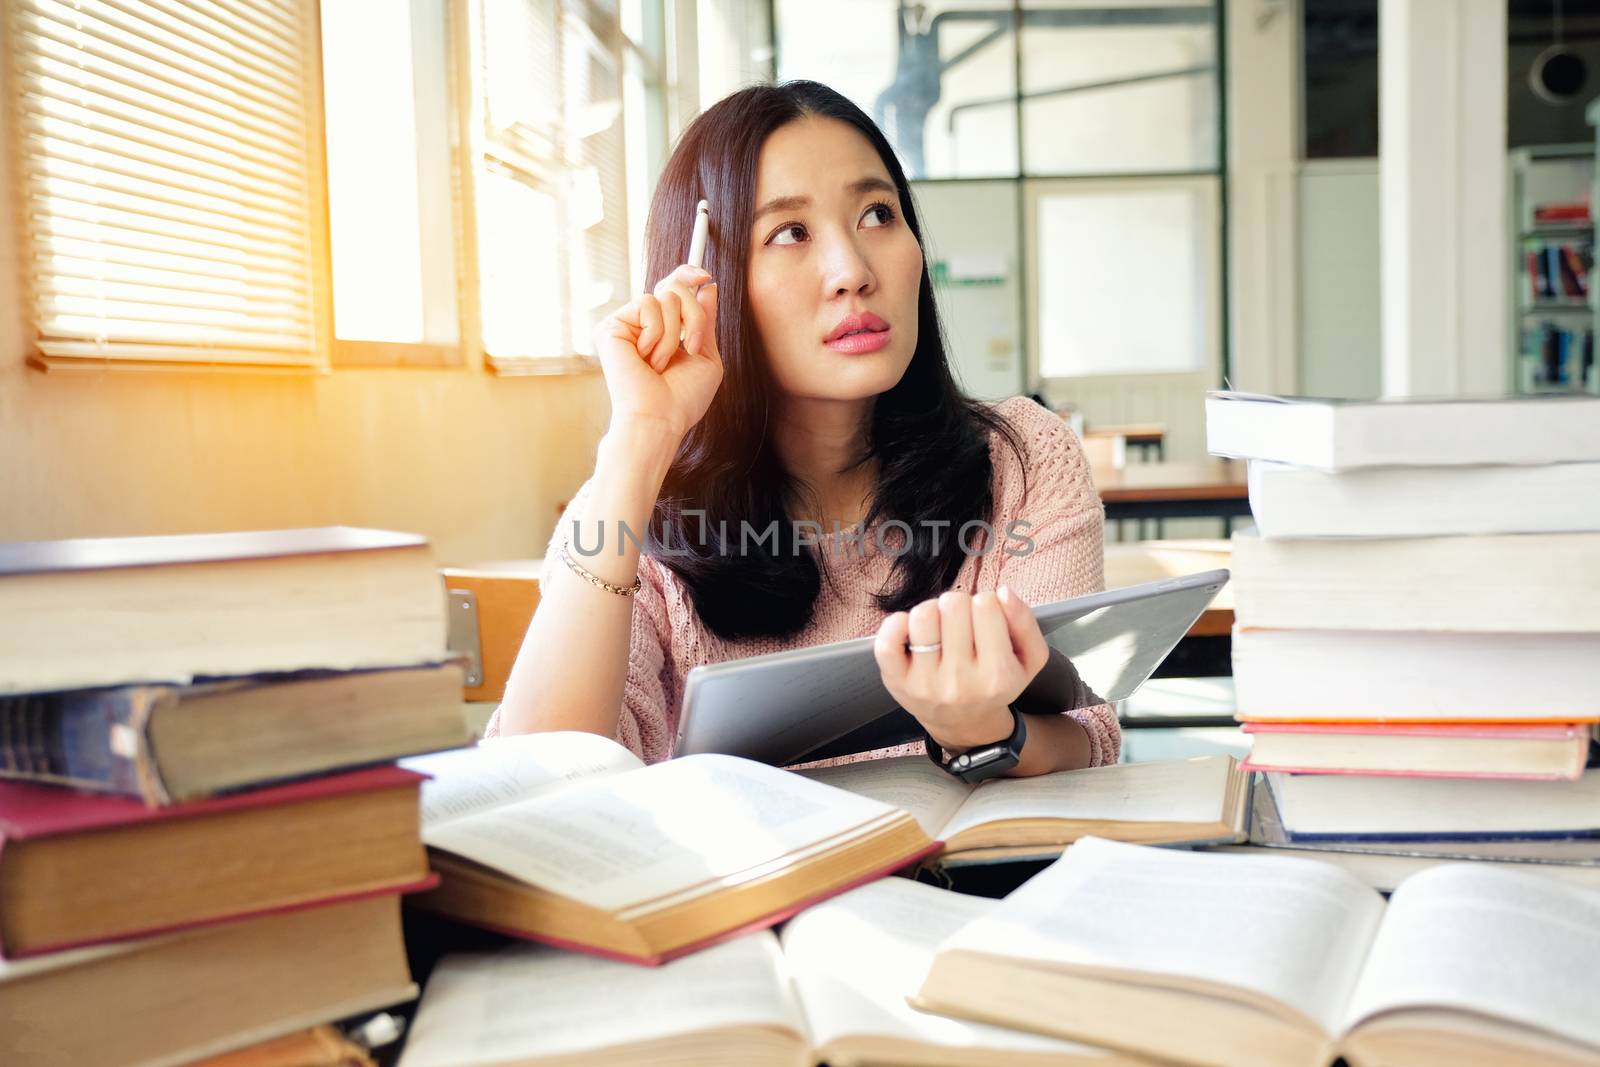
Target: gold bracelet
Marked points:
596	580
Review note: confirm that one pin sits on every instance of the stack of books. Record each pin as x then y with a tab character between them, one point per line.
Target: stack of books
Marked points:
1417	624
203	832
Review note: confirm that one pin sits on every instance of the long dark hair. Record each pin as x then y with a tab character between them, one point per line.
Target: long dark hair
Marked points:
931	439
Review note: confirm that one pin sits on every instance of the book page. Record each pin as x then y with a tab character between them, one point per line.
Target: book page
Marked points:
856	958
623	840
508	769
1190	790
1516	946
910	783
1289	931
528	1002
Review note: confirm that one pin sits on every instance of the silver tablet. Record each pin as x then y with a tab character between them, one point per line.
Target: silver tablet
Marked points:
799	703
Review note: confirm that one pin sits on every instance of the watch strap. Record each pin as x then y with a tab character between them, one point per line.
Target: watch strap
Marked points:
982	761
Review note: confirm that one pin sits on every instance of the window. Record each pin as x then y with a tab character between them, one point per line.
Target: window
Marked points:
1118	90
939	78
1104	118
550	187
391	178
171	189
1111	254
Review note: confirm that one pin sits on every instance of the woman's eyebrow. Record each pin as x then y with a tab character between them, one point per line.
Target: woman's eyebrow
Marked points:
791	203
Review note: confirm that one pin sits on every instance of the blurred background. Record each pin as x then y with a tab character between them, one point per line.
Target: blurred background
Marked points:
281	264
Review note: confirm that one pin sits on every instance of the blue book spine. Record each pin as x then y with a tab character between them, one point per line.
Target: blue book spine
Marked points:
94	739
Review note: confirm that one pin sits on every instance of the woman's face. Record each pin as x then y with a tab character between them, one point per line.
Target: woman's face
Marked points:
829	242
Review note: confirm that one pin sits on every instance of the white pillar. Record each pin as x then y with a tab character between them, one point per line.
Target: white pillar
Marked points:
1442	182
1264	135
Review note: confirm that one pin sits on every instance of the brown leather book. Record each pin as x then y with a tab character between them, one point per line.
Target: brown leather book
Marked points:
77	869
179	997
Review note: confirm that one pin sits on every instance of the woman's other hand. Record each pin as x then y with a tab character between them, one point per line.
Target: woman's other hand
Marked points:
652	374
990	649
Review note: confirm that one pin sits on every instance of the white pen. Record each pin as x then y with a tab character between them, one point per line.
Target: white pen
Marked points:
697	243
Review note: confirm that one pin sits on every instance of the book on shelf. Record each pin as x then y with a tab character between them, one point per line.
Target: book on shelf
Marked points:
831	990
78	869
1557	271
569	839
169	610
1573	272
1536	751
1313	806
1301	502
1338	435
169	1000
1414	676
1511	583
1538	276
1268	961
1561	356
1184	801
166	744
1572	212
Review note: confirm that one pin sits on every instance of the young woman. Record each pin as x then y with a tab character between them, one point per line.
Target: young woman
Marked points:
817	391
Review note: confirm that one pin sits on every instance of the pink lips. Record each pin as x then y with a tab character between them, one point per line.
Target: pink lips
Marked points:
872	333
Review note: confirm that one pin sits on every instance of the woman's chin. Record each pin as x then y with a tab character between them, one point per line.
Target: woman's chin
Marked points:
856	376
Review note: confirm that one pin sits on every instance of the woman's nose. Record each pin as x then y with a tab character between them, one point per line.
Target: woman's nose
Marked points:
848	270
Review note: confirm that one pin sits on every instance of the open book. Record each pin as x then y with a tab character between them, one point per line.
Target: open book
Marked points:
1191	801
568	838
832	989
1238	961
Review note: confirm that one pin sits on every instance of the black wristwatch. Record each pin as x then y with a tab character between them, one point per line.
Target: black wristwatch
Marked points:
985	761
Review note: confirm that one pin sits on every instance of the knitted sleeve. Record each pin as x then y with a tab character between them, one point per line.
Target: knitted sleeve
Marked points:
642	724
1060	553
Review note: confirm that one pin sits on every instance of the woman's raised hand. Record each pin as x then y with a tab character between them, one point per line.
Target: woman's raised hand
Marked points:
989	649
652	374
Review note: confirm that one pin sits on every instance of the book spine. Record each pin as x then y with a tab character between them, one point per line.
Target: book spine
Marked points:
94	739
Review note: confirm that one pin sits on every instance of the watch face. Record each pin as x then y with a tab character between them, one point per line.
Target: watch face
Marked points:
1002	760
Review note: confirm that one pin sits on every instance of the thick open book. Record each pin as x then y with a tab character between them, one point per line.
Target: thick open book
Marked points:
1240	961
833	988
1192	801
568	838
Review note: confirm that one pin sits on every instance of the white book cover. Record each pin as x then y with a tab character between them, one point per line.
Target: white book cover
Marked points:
1338	435
1512	583
1376	675
1289	501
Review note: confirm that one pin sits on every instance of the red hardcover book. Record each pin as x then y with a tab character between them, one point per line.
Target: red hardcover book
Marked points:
78	869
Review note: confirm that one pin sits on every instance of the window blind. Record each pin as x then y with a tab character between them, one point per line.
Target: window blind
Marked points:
169	169
551	203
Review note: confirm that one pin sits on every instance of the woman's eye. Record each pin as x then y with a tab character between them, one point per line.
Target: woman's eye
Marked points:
791	228
882	212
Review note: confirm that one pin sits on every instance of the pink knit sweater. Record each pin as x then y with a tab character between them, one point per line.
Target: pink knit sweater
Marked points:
1066	525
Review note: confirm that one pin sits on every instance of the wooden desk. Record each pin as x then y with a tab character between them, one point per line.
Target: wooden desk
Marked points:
1143	436
1212	488
1205	652
1151	561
